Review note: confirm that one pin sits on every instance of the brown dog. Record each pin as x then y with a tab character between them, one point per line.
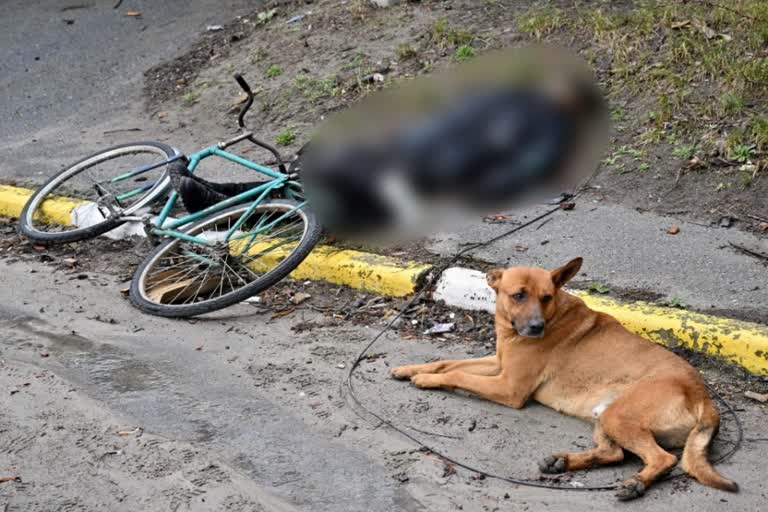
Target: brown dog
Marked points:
551	347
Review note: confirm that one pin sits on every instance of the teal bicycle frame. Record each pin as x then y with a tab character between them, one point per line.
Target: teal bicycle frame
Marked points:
258	194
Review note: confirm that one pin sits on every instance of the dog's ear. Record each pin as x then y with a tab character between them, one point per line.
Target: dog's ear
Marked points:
562	275
494	277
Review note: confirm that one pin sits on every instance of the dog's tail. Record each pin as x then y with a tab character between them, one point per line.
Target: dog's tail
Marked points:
695	461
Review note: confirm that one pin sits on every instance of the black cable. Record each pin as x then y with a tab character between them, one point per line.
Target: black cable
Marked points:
518	481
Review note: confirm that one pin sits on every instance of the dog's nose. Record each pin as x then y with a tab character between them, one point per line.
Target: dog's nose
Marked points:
536	327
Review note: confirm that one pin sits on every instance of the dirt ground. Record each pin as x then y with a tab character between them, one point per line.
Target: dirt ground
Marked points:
687	140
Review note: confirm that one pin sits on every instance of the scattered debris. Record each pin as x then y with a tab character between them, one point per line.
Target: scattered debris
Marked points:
673	230
299	297
253	300
199	348
760	397
119	130
4	479
133	14
135	432
44	354
214	28
763	226
441	328
296	18
726	221
341	366
567	206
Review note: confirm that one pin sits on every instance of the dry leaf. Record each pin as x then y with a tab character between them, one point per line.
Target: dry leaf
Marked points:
134	14
681	24
673	230
281	314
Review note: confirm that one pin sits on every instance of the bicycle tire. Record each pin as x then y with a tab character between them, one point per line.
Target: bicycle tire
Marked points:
309	239
26	225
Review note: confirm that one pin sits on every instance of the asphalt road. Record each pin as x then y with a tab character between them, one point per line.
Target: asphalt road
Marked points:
241	411
71	69
630	252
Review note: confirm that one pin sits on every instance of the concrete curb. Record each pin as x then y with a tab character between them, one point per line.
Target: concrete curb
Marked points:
364	271
742	343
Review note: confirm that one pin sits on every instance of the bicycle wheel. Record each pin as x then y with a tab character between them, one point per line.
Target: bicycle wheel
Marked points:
100	202
182	278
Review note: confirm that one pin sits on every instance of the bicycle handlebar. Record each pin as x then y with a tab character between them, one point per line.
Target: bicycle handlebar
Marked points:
244	85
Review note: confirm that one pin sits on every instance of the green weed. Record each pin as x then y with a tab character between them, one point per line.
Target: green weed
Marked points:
273	71
464	53
285	137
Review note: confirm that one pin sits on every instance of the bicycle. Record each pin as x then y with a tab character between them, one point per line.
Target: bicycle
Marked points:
236	241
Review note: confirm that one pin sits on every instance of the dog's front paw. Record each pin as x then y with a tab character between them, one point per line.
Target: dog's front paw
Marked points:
552	465
630	489
427	380
402	372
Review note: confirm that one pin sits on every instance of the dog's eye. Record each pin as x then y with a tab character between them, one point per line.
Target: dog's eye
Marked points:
546	299
519	296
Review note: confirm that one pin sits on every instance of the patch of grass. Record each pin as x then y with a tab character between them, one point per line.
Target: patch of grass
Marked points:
746	177
622	153
598	288
193	95
274	71
741	153
672	302
758	131
444	35
669	57
541	22
285	137
732	104
314	88
405	51
684	151
618	115
464	53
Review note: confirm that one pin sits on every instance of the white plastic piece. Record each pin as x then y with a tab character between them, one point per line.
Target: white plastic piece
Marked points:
465	288
88	214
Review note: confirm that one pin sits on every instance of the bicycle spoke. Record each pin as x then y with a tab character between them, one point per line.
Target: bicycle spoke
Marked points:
191	273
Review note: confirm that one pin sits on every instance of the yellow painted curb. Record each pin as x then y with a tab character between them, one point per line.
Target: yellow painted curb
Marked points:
55	210
742	343
361	270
